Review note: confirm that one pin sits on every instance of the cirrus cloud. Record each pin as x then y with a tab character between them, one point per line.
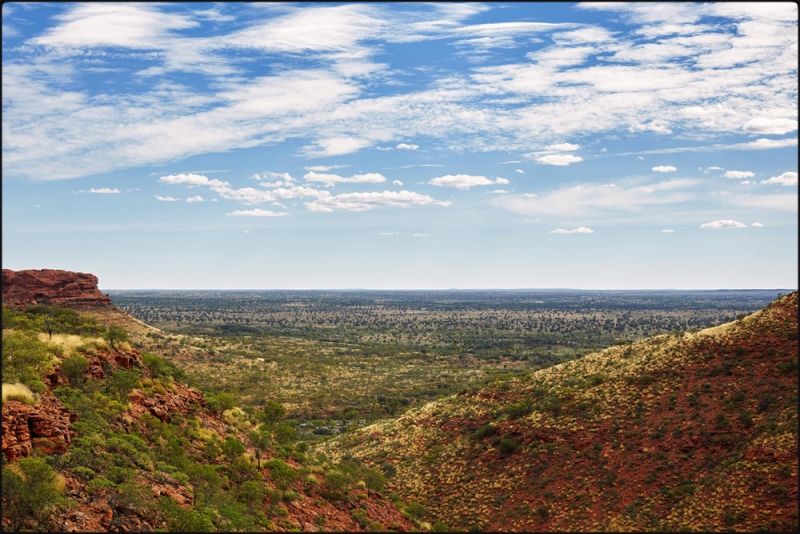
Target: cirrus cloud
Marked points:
256	213
578	230
367	201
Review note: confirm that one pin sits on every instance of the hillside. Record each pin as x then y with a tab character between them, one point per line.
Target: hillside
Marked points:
98	436
675	432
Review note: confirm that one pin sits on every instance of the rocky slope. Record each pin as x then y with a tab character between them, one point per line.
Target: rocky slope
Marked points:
127	439
692	432
51	286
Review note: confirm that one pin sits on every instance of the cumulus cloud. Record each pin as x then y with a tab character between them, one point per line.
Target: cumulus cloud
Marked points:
256	213
245	195
404	146
498	191
166	199
763	125
499	180
664	168
757	225
519	171
667	231
367	201
558	159
725	223
397	182
329	180
578	230
787	178
563	147
738	175
461	181
197	198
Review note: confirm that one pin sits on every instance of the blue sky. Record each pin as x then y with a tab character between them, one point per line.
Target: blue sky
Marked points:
400	145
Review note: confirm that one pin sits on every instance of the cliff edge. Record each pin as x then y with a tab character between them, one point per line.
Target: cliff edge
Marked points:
51	286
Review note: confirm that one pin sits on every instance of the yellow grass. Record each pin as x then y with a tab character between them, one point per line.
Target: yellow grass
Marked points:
19	392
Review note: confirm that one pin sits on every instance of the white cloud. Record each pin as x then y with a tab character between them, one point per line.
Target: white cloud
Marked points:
113	25
166	199
498	191
103	191
367	201
725	223
763	125
197	198
324	168
712	168
563	147
598	198
519	171
499	180
248	231
757	225
397	182
388	233
667	231
558	159
331	179
256	213
404	146
337	146
783	202
787	178
191	179
579	230
664	168
460	181
421	235
735	77
738	175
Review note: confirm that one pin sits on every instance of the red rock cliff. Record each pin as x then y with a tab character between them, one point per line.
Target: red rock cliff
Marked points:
65	288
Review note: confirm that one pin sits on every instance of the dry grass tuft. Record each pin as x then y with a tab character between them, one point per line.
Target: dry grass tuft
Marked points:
19	392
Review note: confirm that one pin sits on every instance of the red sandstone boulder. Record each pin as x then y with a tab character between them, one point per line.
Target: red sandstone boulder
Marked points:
44	427
50	286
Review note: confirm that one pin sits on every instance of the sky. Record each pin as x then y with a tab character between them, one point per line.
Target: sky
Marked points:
402	145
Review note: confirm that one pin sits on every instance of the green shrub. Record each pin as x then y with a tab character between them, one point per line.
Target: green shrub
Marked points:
24	357
31	490
508	445
74	368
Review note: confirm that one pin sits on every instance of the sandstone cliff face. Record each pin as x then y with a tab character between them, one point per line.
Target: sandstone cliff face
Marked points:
44	427
50	286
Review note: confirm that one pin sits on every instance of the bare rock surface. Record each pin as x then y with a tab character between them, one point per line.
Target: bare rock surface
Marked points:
51	286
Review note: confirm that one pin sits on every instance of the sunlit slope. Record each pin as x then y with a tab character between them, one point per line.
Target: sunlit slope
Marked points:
673	432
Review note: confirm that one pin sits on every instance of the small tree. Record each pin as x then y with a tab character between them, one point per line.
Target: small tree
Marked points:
74	368
273	411
115	335
31	490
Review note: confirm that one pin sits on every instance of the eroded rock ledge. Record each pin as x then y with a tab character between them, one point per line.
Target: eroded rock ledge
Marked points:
51	286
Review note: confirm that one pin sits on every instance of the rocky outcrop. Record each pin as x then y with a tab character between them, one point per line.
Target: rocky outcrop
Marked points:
44	427
50	286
